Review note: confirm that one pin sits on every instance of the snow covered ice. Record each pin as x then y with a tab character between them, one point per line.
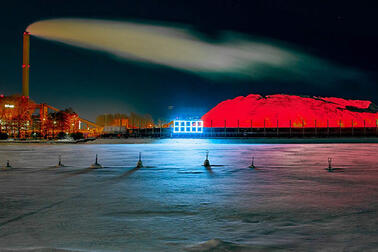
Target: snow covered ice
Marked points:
173	203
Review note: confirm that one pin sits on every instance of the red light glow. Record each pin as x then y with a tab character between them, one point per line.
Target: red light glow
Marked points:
289	110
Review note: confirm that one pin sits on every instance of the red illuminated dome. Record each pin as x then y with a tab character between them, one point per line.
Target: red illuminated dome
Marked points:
257	110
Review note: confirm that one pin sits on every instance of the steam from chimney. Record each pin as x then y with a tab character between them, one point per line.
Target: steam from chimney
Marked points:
232	55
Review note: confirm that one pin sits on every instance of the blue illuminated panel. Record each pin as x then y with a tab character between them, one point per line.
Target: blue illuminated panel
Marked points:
184	126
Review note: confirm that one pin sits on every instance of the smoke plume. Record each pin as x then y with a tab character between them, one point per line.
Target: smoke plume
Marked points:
232	55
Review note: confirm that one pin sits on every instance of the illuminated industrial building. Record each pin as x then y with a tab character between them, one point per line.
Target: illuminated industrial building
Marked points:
21	117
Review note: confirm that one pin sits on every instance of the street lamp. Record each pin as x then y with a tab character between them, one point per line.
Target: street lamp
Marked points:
54	123
42	127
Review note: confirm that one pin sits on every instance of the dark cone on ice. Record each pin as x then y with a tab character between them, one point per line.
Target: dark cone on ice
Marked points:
60	162
139	163
7	166
330	169
206	163
252	166
96	164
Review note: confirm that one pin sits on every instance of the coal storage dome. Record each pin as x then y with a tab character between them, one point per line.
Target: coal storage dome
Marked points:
291	111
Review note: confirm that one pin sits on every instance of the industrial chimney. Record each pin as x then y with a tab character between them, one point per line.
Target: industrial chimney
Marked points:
25	64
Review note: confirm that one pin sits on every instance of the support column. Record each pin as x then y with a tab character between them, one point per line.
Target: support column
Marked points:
264	128
327	127
277	127
303	130
238	128
316	129
211	128
225	131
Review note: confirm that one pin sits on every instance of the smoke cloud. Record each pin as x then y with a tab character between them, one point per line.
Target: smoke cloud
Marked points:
232	55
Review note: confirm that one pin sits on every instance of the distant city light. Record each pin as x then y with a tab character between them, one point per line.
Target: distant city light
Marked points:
188	127
9	105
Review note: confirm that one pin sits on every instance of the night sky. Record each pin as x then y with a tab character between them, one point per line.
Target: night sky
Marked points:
92	83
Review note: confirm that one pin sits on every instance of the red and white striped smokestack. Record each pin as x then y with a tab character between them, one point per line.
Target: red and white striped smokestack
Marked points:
25	64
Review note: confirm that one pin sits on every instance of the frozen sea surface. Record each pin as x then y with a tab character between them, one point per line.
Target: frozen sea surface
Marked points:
289	202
